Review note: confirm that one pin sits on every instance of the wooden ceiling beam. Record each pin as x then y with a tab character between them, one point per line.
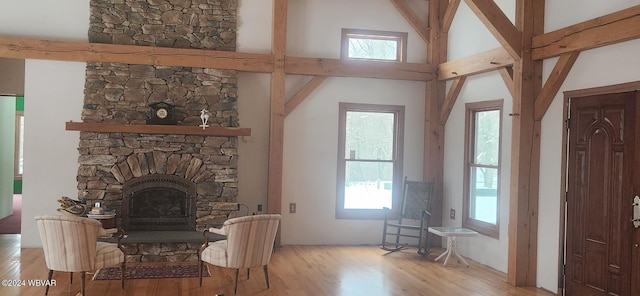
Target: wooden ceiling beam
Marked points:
449	14
22	48
367	69
612	28
551	87
479	63
499	25
412	18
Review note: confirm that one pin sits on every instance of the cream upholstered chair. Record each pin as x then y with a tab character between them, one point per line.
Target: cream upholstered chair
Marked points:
249	244
71	244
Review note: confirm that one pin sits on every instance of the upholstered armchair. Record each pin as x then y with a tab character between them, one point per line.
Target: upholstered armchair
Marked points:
249	244
71	244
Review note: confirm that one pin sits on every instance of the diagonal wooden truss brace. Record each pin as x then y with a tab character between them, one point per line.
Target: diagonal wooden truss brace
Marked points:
413	19
302	94
499	25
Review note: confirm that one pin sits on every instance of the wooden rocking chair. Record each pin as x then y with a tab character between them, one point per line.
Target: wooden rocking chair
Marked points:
414	218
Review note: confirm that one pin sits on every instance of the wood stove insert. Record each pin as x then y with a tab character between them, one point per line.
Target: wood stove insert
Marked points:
159	203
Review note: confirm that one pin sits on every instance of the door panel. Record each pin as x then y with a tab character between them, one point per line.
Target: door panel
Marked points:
600	191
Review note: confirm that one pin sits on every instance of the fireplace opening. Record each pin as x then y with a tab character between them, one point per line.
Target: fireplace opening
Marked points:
159	203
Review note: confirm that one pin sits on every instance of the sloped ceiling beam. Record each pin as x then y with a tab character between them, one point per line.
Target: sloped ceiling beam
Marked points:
498	24
412	18
601	31
447	19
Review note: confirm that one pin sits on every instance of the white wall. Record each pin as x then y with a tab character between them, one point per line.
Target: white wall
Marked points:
253	151
311	131
314	27
483	249
53	95
468	36
310	165
253	104
55	20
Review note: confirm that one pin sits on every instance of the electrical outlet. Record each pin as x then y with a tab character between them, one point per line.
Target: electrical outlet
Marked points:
259	207
452	214
292	207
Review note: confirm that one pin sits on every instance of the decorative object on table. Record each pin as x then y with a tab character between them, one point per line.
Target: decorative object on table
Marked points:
97	209
416	206
73	207
98	212
161	113
204	115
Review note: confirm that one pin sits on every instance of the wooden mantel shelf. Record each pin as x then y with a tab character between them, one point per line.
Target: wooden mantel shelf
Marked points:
157	129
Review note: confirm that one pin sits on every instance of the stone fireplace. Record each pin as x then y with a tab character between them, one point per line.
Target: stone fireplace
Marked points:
190	180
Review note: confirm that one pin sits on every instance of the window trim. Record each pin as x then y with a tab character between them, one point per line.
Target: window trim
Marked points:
400	37
471	109
398	157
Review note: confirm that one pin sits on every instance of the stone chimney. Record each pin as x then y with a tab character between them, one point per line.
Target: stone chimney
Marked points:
122	93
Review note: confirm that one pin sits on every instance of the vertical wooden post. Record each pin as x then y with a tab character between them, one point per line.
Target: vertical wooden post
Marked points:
433	167
525	150
276	126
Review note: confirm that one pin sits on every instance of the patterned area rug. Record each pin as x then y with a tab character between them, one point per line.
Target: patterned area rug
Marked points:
151	272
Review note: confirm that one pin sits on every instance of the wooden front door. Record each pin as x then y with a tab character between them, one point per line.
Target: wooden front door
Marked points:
603	172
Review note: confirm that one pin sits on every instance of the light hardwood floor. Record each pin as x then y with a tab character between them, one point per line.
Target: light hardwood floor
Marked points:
294	270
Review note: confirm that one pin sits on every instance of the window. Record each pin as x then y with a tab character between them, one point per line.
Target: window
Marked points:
19	144
373	45
482	167
370	149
